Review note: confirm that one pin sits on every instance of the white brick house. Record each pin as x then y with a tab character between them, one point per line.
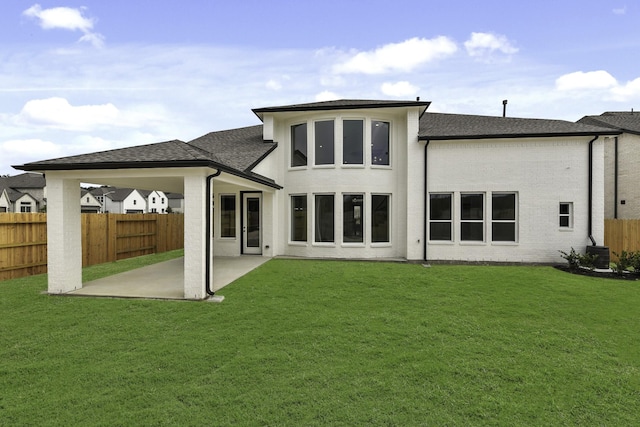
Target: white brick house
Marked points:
356	179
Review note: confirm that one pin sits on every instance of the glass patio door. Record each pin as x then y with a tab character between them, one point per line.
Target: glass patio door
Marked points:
252	222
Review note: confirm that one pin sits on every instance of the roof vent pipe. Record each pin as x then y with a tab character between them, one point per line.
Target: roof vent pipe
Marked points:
504	108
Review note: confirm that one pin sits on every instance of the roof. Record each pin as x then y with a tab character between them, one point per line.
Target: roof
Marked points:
342	104
24	180
627	121
173	153
440	126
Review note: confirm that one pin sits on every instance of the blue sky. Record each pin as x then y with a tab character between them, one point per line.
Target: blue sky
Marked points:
83	76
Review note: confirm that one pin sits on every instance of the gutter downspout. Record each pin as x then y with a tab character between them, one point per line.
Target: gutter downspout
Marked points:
615	179
593	241
208	251
426	199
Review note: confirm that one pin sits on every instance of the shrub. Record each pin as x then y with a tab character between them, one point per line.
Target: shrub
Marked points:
628	262
577	260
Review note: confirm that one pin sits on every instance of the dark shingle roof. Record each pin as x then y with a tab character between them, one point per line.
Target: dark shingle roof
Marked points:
341	104
440	126
628	121
239	148
25	180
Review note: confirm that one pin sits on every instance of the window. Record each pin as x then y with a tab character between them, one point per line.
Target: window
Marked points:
299	218
25	207
324	224
299	145
380	218
154	210
162	200
503	217
324	142
87	200
352	142
472	217
153	200
135	202
353	218
566	215
228	215
440	219
379	143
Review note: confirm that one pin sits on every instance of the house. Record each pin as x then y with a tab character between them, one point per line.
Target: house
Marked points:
175	203
355	179
22	193
124	201
622	157
88	203
156	201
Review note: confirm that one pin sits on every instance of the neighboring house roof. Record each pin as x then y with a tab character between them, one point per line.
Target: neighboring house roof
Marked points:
25	180
119	194
627	121
174	196
441	126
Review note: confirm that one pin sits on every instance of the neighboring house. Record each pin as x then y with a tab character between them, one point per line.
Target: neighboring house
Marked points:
88	203
124	201
22	193
622	163
357	179
175	203
156	201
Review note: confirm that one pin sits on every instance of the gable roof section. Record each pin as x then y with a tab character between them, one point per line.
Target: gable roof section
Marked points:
342	104
441	126
25	180
167	154
627	121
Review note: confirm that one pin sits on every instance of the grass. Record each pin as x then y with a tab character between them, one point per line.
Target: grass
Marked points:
301	342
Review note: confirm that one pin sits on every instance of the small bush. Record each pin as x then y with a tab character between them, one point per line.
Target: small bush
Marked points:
628	262
577	260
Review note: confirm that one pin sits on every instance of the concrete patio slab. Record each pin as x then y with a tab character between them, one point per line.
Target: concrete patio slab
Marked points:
165	280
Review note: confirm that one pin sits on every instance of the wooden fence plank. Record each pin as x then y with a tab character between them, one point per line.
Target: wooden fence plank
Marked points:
105	238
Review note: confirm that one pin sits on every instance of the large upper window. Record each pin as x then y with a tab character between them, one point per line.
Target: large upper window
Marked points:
228	215
352	142
299	218
324	218
324	142
503	217
440	219
379	143
353	218
299	145
472	217
380	217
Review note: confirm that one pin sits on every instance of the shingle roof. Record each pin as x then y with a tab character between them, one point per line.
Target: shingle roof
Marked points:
25	180
628	121
440	126
341	104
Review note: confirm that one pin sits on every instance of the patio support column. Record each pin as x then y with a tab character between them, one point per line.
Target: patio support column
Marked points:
194	236
64	236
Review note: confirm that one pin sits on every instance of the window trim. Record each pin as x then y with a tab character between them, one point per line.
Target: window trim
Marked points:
389	242
235	216
474	221
450	221
363	220
291	220
369	160
363	147
568	215
515	221
315	220
333	120
291	145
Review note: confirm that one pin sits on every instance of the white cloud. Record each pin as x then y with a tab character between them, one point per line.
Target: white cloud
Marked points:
273	85
589	80
393	57
57	113
399	89
484	44
326	96
628	91
620	10
66	18
30	147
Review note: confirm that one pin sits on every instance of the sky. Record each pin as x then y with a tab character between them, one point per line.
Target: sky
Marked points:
92	75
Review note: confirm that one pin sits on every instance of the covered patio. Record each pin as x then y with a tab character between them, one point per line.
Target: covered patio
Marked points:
165	280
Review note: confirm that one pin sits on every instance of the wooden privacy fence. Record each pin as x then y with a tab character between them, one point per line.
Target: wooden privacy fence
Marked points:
105	238
622	235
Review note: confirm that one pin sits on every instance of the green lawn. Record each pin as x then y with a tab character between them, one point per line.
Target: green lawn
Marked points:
302	343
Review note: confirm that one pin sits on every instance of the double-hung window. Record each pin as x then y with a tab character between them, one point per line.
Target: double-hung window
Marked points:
353	218
324	142
503	217
228	215
299	145
324	218
566	215
299	218
440	218
379	143
352	142
472	217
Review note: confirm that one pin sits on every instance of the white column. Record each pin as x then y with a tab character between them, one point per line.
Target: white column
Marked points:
415	188
64	237
194	236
